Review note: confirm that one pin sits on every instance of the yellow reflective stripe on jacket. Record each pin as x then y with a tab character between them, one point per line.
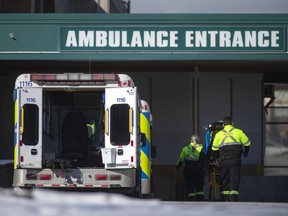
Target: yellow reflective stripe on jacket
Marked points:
234	192
230	136
225	192
187	152
248	143
199	193
191	194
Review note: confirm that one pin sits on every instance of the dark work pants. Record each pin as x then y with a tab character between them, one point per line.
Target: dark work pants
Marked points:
230	178
193	175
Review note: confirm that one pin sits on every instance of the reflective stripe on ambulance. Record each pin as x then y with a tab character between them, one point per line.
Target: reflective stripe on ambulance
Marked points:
145	151
16	118
145	127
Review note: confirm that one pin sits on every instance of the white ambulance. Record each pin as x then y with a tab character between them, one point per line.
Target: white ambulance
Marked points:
78	131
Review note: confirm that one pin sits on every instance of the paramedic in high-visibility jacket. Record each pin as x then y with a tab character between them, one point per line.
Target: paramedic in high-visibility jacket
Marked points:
228	147
192	157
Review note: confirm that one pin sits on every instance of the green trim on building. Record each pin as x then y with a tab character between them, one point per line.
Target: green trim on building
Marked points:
128	37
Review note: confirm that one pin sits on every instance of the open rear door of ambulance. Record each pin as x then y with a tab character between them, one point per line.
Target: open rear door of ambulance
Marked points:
30	125
121	129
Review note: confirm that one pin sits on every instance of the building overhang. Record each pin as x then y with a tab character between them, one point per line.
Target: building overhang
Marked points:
144	37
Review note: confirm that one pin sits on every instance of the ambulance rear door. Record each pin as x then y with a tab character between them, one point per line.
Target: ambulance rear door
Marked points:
30	125
121	129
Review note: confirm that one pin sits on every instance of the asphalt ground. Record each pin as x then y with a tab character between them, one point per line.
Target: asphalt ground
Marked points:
55	203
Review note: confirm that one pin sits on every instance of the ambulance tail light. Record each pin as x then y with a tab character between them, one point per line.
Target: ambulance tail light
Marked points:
115	177
74	77
101	177
45	177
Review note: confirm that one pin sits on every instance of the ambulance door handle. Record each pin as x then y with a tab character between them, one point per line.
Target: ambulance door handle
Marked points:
22	121
131	121
106	123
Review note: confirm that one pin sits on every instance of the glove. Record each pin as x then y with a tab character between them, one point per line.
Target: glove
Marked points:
246	150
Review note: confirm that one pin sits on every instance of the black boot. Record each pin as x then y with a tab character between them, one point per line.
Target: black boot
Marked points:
225	197
234	197
191	198
199	198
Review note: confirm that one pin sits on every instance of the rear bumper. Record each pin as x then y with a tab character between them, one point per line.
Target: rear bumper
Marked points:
75	178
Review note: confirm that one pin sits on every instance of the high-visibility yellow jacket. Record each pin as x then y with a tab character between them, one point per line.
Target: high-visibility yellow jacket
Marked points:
190	154
230	142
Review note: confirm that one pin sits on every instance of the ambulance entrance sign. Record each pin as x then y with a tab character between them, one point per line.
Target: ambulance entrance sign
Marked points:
178	39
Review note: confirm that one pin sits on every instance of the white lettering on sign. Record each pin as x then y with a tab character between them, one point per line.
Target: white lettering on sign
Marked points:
136	40
101	38
201	39
170	39
189	36
86	40
263	41
232	39
275	38
225	39
71	40
120	39
250	39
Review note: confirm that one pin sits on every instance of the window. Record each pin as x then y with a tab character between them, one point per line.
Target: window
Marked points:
276	113
120	124
30	124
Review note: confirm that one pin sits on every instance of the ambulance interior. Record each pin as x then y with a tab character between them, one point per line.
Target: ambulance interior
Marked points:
73	128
